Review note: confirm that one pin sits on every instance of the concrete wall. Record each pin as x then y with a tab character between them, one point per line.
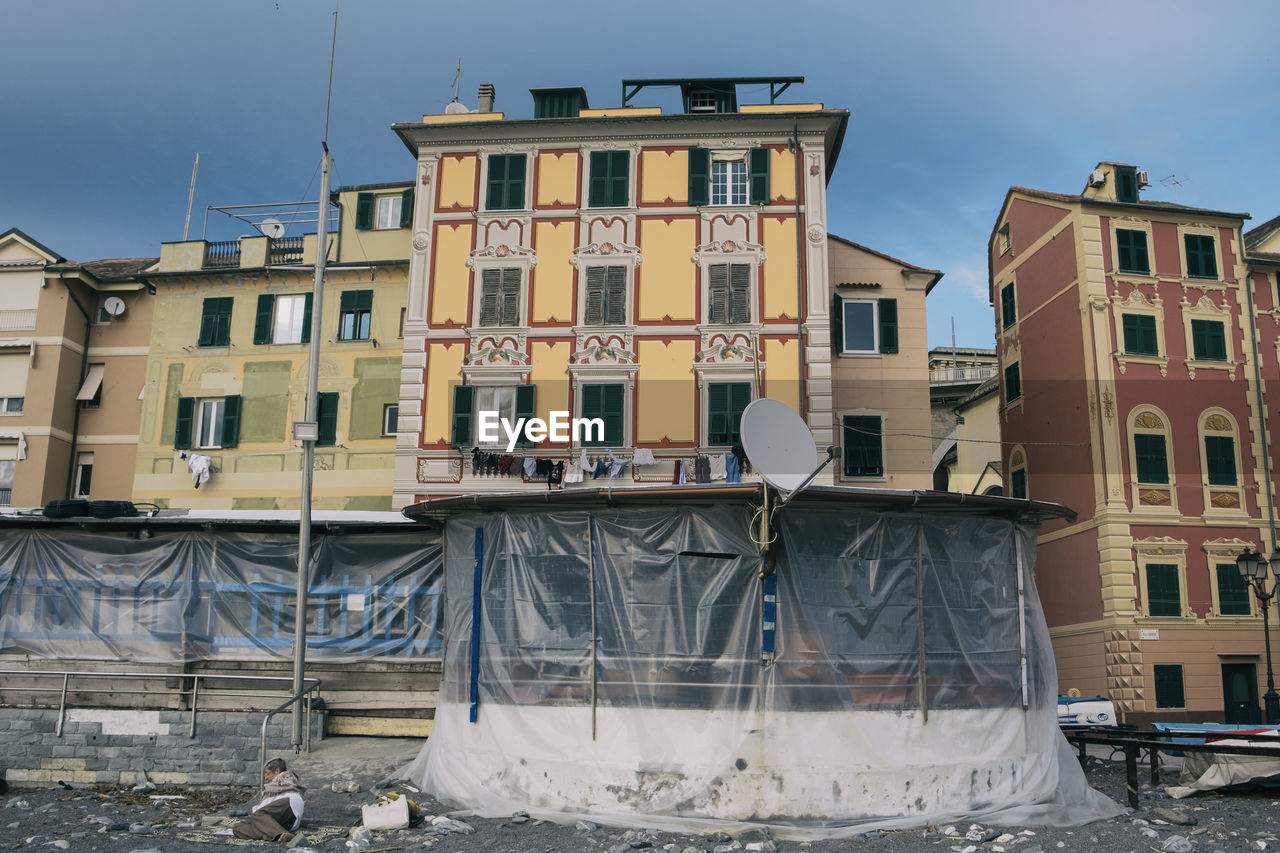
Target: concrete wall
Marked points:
109	746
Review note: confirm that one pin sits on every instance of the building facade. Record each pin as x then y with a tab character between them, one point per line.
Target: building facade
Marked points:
73	343
227	369
1126	336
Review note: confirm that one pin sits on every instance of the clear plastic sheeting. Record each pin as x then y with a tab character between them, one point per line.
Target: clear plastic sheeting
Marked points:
184	595
631	665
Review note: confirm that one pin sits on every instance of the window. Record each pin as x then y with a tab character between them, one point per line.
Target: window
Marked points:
1151	460
355	313
1208	340
606	402
609	179
84	475
1018	483
1140	334
90	393
1012	383
327	419
606	296
1131	251
1233	591
1164	594
500	297
390	418
1220	460
1126	183
1201	262
207	424
730	293
384	211
509	401
101	316
1005	242
505	189
725	402
11	405
6	473
215	322
1008	306
283	319
1168	679
865	325
728	177
863	451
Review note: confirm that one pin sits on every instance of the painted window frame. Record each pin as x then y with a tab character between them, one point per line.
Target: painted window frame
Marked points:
1163	674
1162	551
215	321
1223	552
268	328
884	325
1018	466
1137	303
623	433
847	456
1220	497
1197	318
508	200
1204	250
500	273
605	187
390	419
523	403
187	433
369	208
1142	229
728	388
1150	495
82	482
355	315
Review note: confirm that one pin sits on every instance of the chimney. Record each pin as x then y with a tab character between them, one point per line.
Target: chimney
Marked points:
485	103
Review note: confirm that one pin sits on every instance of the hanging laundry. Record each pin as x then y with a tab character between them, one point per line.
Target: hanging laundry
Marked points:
573	472
556	475
677	472
702	470
616	465
602	468
644	456
733	470
716	467
530	465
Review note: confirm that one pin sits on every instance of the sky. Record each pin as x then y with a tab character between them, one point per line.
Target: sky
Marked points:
106	104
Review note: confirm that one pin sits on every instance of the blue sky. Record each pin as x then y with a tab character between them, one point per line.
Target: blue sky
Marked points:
106	104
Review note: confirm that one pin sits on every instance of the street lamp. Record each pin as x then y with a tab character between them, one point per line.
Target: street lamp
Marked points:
1253	568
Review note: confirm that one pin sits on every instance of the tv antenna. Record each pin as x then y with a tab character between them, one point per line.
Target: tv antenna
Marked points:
1175	182
457	81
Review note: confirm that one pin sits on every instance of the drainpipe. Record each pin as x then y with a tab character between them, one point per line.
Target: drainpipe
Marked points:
1257	390
84	361
800	395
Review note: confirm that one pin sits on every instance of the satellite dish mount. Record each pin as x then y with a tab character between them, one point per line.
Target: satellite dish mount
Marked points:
272	228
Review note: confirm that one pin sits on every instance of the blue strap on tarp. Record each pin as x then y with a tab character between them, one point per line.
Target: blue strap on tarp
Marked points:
769	619
475	625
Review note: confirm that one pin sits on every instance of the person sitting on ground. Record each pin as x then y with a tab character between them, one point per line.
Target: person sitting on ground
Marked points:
279	814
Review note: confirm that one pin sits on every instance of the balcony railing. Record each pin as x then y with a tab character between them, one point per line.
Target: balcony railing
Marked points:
285	250
17	319
975	373
6	495
225	253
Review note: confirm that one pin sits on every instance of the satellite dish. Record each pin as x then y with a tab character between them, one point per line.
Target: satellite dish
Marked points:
455	108
778	444
272	228
113	305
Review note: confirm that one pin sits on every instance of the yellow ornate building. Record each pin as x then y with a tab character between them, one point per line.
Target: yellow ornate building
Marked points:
655	272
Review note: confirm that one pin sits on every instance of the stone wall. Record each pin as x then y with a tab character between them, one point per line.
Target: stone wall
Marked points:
113	746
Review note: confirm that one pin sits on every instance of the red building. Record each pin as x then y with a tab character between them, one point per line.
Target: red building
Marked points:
1129	392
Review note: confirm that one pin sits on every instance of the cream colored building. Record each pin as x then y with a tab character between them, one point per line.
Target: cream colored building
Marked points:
227	371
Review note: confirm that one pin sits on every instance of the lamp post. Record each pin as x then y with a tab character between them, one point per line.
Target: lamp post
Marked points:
1253	568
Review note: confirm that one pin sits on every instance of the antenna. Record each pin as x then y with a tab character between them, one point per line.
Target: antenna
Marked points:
191	195
1175	182
457	81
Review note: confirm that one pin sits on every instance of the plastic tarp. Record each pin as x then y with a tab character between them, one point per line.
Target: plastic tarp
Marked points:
1209	771
185	595
632	666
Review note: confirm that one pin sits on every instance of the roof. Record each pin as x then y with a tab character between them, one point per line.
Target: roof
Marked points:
17	232
389	185
272	521
1129	205
937	274
985	389
107	269
885	499
1265	231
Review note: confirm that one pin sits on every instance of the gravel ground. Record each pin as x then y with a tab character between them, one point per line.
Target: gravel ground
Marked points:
165	820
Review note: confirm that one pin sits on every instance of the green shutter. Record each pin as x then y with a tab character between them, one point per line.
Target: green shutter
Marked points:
1012	383
888	325
490	296
613	415
1018	484
231	420
527	408
1201	262
1132	249
262	324
306	320
1208	340
510	300
615	293
609	179
223	333
364	211
758	175
619	179
208	323
740	293
1126	184
1140	334
1220	460
1164	598
327	419
463	414
347	301
1008	306
718	293
862	457
1151	460
1168	681
837	323
182	431
364	300
595	297
406	208
506	182
1233	592
699	176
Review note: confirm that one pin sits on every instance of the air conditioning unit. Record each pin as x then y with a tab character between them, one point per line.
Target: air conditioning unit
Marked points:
1097	178
1144	180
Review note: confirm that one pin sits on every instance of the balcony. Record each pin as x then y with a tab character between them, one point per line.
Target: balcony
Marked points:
284	250
17	319
224	253
962	375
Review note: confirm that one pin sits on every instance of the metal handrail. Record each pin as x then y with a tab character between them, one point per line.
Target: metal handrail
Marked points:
306	728
67	676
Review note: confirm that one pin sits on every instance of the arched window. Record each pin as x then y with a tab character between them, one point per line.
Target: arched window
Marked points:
1220	461
1018	473
1150	459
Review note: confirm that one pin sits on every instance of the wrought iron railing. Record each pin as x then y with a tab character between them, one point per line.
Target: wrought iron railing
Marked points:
224	253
